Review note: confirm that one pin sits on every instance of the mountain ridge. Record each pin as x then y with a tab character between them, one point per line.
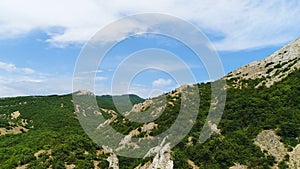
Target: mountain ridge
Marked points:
254	122
271	69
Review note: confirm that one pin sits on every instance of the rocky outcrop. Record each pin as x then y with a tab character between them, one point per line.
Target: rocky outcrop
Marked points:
15	114
108	121
14	130
126	141
149	108
147	128
15	124
272	69
295	157
112	159
192	164
140	107
70	166
37	154
214	127
162	159
269	142
84	92
238	166
22	166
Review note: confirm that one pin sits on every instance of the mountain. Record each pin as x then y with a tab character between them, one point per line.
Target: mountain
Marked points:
273	68
121	101
259	128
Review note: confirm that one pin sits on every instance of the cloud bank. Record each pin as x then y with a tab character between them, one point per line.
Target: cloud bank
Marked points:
161	82
19	81
12	68
232	25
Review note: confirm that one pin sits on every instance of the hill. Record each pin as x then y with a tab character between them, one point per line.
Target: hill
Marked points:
273	68
259	128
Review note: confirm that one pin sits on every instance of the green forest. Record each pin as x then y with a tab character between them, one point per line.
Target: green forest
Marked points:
54	127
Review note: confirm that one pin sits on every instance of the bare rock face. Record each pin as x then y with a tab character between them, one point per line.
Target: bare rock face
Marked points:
21	126
84	92
140	107
192	164
214	127
112	159
14	130
272	69
108	121
127	140
162	159
37	154
295	157
268	140
15	114
238	166
151	108
149	127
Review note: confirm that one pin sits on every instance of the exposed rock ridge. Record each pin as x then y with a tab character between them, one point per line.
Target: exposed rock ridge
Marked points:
271	143
15	124
162	159
272	69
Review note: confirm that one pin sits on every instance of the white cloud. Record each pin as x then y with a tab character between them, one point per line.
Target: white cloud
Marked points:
92	72
13	68
9	92
27	70
16	81
7	67
238	24
145	91
18	85
100	78
161	82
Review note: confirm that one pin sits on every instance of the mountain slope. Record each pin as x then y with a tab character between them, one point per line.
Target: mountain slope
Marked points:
259	128
273	68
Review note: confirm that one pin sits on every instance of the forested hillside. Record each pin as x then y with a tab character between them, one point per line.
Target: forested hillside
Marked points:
54	138
259	128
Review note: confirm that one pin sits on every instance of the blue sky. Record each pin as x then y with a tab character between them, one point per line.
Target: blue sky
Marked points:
40	43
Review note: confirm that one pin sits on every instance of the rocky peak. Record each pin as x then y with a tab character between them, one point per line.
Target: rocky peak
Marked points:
271	69
84	92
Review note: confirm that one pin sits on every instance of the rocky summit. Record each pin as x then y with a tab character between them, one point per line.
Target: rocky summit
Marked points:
273	68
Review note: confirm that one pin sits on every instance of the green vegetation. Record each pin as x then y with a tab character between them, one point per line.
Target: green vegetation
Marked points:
107	101
248	111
